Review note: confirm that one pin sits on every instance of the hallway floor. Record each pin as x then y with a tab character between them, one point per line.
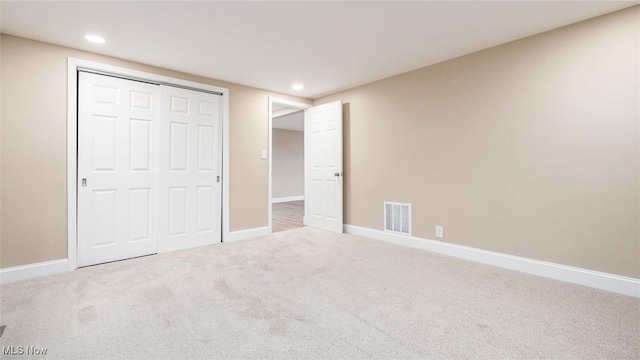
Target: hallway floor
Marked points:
287	215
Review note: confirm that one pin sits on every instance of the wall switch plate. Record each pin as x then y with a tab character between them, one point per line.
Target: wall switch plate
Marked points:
263	154
439	231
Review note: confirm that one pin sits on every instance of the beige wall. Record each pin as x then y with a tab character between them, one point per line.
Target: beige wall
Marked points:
33	148
530	148
288	163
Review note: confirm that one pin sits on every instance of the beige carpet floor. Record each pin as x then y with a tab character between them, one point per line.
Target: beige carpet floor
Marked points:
309	294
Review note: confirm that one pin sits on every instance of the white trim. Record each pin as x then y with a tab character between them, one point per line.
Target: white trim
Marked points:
270	168
287	199
599	280
270	201
247	234
72	141
225	165
72	163
31	271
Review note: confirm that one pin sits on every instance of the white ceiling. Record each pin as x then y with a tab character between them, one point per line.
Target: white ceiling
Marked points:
292	121
278	109
327	46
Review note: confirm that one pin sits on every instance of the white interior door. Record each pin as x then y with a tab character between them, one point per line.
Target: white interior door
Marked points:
323	164
117	125
190	169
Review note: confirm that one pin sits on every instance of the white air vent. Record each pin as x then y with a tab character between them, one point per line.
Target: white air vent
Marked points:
397	217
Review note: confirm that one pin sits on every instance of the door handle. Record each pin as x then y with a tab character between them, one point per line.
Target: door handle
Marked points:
338	174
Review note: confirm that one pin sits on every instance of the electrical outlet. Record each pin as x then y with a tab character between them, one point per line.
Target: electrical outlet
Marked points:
263	154
439	231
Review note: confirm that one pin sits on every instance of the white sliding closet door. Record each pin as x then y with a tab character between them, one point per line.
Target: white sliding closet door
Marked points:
190	169
117	174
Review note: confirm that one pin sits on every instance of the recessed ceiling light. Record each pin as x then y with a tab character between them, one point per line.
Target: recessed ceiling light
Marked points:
95	39
297	87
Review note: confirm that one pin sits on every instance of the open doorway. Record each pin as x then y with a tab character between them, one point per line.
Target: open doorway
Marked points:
286	165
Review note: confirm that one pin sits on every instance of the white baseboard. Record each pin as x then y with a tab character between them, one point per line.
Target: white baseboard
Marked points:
30	271
599	280
247	234
287	199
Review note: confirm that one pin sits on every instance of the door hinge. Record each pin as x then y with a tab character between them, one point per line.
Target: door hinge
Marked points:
218	178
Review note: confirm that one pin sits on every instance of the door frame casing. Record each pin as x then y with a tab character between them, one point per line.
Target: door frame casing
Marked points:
293	104
72	142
